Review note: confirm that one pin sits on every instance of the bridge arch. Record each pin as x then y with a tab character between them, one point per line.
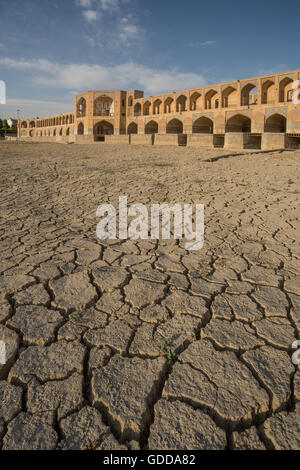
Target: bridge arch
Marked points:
168	105
195	101
151	127
275	123
174	126
132	128
268	92
203	125
181	103
103	128
156	106
238	123
211	99
248	94
146	108
285	90
229	97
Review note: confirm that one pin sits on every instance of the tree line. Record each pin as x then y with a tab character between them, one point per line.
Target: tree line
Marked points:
5	129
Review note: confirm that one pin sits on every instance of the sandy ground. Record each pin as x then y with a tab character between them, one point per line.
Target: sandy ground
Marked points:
143	344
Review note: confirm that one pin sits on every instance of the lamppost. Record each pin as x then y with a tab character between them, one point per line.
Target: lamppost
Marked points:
18	128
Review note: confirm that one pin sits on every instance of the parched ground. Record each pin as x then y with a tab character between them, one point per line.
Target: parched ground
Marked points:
143	344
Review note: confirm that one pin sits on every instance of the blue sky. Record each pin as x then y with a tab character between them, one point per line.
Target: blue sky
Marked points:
50	49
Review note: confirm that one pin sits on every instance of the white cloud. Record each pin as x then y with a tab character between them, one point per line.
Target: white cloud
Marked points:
91	15
92	41
123	28
208	43
84	3
100	77
109	4
203	44
127	30
33	108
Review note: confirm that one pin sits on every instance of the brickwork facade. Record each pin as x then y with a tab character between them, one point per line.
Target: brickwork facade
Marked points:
251	107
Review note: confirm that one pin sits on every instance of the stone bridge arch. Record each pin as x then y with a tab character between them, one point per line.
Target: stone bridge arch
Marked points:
175	126
102	128
203	125
238	123
275	123
132	128
151	127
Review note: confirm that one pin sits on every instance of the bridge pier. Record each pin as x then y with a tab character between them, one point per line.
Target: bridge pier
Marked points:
273	140
235	140
200	140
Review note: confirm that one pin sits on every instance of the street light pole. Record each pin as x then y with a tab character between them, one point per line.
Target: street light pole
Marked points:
18	128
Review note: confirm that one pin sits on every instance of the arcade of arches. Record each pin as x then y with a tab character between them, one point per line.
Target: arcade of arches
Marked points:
256	107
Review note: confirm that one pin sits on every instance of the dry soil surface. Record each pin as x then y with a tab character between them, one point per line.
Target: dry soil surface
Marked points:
142	344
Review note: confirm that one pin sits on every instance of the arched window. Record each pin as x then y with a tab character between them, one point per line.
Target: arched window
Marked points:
210	99
181	103
268	92
249	94
80	129
195	101
229	97
146	108
286	90
169	105
156	106
137	109
81	107
103	106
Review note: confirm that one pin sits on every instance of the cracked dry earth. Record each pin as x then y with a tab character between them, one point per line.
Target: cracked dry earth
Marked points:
140	344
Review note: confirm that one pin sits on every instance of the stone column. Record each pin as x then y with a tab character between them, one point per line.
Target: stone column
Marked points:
259	91
276	89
